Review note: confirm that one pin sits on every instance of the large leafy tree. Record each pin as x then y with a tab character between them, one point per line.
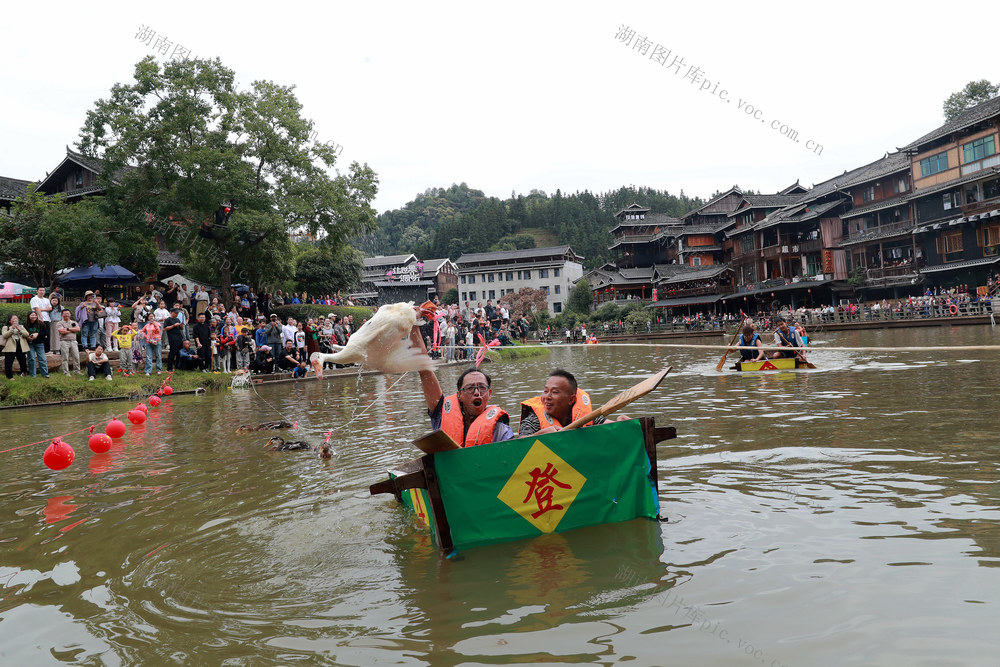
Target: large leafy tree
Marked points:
975	92
180	142
326	270
44	234
580	298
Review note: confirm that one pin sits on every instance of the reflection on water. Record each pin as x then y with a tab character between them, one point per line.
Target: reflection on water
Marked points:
843	515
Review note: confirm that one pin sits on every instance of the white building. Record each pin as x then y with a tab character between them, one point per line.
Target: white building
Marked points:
490	275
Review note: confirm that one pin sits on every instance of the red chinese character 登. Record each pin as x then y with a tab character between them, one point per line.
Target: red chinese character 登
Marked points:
541	487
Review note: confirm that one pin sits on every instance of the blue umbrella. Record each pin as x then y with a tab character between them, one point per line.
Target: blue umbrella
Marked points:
111	274
241	289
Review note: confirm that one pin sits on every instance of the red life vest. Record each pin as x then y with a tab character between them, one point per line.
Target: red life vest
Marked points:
580	408
480	431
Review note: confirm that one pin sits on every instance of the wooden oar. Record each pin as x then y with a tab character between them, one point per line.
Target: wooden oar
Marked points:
722	361
622	399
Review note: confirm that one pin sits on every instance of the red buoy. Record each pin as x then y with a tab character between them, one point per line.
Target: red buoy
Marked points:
115	428
58	455
136	416
100	442
154	400
141	406
167	390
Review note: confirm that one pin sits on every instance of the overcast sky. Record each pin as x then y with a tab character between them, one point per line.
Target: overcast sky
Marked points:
517	96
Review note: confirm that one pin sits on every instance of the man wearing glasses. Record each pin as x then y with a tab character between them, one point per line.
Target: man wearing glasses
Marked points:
466	415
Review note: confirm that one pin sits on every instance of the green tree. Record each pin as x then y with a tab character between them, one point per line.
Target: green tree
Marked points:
974	93
184	141
638	318
450	297
326	270
45	234
580	298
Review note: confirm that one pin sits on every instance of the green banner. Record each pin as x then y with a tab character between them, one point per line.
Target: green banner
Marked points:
550	483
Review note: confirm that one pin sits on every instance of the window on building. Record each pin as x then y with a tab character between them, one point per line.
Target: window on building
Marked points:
465	296
493	294
472	280
472	296
543	273
555	273
545	288
527	275
978	149
951	200
519	275
510	276
500	277
490	277
950	243
934	164
463	280
557	307
989	239
79	177
868	194
696	260
901	184
557	289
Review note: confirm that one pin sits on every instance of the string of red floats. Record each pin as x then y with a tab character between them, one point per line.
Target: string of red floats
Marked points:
59	455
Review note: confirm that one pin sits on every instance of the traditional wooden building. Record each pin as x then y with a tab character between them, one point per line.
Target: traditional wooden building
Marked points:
956	197
640	237
11	189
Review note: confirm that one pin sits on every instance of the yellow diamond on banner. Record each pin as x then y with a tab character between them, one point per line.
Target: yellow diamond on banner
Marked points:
542	488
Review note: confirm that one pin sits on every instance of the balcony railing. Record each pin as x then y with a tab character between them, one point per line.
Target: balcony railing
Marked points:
981	206
899	227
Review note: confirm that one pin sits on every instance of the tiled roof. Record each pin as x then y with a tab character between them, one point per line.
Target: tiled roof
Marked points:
701	248
966	264
12	188
889	164
388	260
640	272
970	116
877	206
167	258
713	201
432	265
527	253
696	273
633	208
769	201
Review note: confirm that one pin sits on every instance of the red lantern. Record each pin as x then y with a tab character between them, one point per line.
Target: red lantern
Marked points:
115	428
142	407
136	416
154	400
167	390
100	442
58	455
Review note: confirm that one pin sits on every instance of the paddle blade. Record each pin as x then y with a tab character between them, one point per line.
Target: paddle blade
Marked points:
435	442
623	399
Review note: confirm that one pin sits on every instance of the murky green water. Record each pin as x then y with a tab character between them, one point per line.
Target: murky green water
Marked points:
842	516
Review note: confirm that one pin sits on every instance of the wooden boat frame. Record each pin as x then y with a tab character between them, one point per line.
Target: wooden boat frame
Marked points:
422	474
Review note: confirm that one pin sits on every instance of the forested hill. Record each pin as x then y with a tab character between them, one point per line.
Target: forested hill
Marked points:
448	222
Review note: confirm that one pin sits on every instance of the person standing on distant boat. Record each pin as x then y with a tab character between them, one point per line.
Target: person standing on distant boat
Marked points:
466	416
750	338
785	337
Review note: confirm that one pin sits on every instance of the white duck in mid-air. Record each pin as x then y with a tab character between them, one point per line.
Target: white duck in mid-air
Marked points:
382	343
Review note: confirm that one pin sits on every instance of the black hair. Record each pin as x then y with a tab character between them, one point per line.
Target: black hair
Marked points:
489	380
569	378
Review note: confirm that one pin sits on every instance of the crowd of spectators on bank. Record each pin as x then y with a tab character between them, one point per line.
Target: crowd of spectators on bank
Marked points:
192	326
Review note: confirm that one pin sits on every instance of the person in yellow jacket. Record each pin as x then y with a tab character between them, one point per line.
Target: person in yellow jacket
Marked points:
124	336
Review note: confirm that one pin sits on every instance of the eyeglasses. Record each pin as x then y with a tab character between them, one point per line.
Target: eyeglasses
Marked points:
476	389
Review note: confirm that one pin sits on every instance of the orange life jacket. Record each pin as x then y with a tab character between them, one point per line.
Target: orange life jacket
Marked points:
580	408
480	431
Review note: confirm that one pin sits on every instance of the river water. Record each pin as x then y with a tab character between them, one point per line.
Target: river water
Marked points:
847	515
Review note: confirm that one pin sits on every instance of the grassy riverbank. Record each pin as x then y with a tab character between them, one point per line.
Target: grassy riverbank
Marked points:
509	353
59	387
